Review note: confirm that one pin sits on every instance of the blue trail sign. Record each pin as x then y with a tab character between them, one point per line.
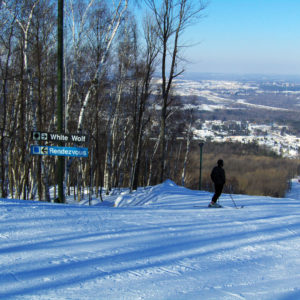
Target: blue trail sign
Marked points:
59	151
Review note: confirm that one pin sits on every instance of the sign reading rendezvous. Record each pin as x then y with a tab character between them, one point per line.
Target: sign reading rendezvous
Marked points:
59	151
58	137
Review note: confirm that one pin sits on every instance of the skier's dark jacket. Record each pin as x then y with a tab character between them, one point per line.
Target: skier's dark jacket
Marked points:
218	175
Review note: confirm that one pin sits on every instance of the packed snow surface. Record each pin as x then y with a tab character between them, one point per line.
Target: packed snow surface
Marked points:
160	242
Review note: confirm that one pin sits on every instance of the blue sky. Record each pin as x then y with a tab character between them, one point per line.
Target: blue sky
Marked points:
246	36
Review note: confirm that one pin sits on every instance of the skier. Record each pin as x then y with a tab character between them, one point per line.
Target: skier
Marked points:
218	177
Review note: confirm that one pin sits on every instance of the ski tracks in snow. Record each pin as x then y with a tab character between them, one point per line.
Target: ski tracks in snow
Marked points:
153	246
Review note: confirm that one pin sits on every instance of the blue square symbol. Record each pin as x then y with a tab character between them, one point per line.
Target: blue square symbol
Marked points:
36	150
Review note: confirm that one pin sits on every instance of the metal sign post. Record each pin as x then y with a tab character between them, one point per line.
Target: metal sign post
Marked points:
201	144
60	100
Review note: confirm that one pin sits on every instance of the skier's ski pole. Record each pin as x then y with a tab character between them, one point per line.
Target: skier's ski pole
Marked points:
234	202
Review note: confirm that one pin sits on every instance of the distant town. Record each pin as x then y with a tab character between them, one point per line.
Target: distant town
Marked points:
273	136
265	111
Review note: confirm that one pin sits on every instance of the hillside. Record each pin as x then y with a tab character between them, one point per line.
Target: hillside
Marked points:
155	244
264	111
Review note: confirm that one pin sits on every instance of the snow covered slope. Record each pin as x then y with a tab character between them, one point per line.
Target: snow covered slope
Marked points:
155	244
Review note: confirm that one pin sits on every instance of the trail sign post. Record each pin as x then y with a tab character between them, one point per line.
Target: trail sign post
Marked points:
201	144
60	92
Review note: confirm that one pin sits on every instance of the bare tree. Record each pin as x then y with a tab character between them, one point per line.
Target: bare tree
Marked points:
93	27
144	71
189	136
26	40
172	17
116	18
6	39
108	73
22	14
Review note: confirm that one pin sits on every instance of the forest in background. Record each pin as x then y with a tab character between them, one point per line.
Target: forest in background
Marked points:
108	68
138	135
250	169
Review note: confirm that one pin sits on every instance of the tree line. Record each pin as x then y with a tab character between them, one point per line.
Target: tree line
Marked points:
250	169
109	94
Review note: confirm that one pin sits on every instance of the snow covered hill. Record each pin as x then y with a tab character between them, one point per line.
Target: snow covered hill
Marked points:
160	242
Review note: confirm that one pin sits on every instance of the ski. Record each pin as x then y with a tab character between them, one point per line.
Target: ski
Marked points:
236	207
202	206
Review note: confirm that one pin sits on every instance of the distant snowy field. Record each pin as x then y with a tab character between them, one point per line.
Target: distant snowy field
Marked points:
160	242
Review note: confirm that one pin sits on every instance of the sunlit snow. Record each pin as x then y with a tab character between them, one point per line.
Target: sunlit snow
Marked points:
160	242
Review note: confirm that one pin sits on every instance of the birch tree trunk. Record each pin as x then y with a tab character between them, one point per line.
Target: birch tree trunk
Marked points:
21	174
111	32
151	161
111	133
118	10
5	139
150	55
187	151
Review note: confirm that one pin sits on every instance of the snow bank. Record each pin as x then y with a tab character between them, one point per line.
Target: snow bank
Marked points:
150	195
